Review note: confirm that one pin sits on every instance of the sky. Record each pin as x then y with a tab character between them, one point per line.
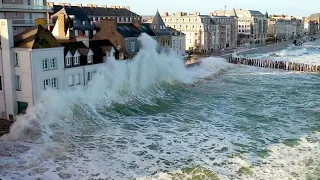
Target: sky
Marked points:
149	7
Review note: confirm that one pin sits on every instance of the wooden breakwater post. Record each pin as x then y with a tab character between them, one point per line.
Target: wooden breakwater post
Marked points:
285	65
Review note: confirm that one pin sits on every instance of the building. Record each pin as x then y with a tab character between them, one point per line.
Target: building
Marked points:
284	27
23	13
225	35
123	36
315	20
197	28
178	41
163	35
34	61
252	25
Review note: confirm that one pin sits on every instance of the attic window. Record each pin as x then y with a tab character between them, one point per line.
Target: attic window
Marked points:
83	22
155	27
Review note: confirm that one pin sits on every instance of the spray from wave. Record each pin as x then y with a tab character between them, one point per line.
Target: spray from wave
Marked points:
120	82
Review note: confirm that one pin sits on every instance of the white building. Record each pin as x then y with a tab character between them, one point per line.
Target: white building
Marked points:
178	41
197	28
34	61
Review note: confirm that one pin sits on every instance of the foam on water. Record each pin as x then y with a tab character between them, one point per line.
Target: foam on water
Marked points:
141	119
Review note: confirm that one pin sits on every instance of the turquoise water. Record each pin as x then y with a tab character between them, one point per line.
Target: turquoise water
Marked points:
245	123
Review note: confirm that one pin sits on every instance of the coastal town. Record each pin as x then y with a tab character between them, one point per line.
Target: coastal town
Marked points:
61	45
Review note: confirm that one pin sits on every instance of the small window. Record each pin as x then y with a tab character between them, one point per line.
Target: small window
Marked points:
16	59
76	32
46	84
77	79
89	58
70	80
53	63
54	82
0	83
76	60
68	61
18	83
45	64
132	46
83	22
87	33
89	76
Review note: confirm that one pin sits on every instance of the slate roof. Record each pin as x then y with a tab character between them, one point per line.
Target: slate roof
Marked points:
36	38
158	26
72	46
71	11
255	12
99	47
175	32
145	28
128	30
99	11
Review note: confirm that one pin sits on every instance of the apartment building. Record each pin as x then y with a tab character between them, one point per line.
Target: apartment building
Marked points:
197	28
178	41
23	13
252	25
35	61
283	27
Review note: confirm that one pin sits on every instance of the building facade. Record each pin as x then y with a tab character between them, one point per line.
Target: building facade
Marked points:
197	28
178	41
23	13
35	61
252	25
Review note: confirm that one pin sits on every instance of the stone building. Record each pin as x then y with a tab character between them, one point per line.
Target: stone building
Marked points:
252	25
197	28
178	41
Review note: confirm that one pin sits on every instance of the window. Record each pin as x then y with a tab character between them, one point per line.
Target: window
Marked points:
87	33
18	83
132	47
45	64
90	58
68	61
46	83
76	60
53	63
70	80
54	82
77	79
16	59
0	83
83	22
76	32
89	76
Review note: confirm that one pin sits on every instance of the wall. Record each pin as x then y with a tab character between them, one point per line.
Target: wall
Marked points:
128	45
24	70
82	70
40	75
2	99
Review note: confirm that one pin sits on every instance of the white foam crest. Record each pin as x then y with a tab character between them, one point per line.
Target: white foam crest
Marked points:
115	81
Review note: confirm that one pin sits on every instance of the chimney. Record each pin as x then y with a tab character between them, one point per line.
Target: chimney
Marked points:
123	7
118	7
65	4
104	6
128	8
196	13
92	5
114	7
50	4
108	24
79	5
42	22
166	14
137	23
179	13
211	14
61	25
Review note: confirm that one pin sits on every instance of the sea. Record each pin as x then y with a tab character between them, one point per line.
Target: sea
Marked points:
151	118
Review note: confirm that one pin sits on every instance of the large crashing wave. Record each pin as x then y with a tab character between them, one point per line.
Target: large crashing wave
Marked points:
114	82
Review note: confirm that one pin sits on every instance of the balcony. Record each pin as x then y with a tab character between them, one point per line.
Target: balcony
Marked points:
24	8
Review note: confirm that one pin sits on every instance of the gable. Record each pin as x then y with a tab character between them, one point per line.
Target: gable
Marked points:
90	53
76	54
68	55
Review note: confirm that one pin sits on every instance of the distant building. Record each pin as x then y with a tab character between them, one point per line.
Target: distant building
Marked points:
252	25
24	13
283	27
226	34
315	23
197	28
178	41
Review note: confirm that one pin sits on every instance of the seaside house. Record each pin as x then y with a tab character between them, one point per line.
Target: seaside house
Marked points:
123	36
178	41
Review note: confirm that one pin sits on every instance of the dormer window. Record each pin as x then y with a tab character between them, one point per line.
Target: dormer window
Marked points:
76	60
68	61
83	22
155	27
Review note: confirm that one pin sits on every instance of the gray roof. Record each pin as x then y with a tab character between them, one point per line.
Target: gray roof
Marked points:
128	30
255	12
145	27
175	32
99	11
71	11
158	26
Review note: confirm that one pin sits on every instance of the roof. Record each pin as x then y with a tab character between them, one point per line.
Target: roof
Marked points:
99	47
255	12
83	51
99	11
128	30
145	27
315	17
72	46
158	26
36	38
175	32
